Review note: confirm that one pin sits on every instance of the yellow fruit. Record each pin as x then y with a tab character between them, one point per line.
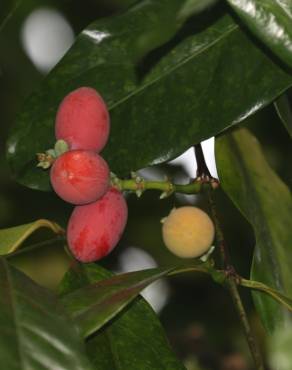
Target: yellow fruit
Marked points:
188	232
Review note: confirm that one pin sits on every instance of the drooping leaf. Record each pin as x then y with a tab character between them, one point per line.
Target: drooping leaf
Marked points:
94	305
283	108
132	340
34	332
266	202
213	79
12	238
270	21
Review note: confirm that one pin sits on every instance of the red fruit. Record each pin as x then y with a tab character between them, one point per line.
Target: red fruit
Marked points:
96	228
80	176
83	120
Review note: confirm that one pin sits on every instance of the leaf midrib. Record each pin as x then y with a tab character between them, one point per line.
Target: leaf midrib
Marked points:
170	70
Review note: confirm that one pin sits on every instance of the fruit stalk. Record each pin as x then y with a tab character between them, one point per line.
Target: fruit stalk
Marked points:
139	185
253	345
231	285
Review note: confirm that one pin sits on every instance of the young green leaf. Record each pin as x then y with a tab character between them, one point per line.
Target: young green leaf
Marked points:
270	21
132	340
12	238
266	202
35	333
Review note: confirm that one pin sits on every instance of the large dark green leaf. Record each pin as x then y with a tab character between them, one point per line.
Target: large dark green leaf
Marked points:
133	340
211	80
34	333
266	202
104	56
270	20
283	108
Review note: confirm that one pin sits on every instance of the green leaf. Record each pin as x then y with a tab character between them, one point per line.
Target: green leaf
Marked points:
279	297
213	79
270	21
283	108
104	56
94	305
35	333
12	238
266	202
132	340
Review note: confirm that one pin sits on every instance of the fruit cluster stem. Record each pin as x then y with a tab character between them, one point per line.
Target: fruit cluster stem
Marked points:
139	185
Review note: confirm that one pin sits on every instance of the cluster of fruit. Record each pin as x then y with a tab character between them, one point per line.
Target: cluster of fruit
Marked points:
82	177
79	175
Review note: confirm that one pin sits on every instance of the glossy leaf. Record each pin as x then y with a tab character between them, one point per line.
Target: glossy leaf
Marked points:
213	79
133	340
283	108
94	305
104	56
270	21
266	202
12	238
35	333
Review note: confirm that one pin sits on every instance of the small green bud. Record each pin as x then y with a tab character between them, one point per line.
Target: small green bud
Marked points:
61	147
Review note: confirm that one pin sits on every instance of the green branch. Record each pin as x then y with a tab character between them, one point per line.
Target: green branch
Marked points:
231	283
232	287
138	185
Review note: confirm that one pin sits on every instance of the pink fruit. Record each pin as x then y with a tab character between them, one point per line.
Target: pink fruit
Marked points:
83	120
95	229
80	176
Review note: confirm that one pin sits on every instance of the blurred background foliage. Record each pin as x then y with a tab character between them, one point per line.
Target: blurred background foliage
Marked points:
197	315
